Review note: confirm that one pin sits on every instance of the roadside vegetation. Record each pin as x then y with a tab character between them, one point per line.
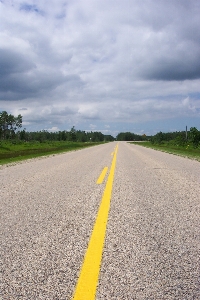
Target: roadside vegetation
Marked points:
129	136
179	143
11	151
17	144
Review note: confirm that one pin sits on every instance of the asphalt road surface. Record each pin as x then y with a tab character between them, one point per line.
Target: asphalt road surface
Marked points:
49	207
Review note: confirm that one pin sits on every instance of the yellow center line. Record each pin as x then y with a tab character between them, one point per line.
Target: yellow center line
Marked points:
89	274
102	176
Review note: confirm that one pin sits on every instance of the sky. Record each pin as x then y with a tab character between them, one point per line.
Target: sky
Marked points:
101	65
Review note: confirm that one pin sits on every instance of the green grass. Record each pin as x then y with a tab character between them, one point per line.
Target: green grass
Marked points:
12	151
186	151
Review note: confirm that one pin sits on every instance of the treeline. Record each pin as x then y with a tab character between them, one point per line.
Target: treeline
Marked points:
10	130
128	136
73	135
181	138
178	138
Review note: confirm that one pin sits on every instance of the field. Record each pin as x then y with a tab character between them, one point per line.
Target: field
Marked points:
186	151
11	151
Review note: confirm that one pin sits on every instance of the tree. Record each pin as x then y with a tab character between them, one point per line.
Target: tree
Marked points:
9	124
81	136
108	138
158	138
73	134
128	136
195	136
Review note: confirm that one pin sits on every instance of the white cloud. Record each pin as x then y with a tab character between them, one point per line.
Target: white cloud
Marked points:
92	127
53	129
112	62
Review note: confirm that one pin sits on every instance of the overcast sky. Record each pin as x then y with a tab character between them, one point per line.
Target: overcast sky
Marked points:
101	65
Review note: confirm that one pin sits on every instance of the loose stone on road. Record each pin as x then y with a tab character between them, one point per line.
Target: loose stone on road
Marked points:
48	211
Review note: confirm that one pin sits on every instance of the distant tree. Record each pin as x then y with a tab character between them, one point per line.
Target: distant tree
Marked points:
23	135
179	139
97	137
128	136
194	136
81	136
158	138
73	134
9	124
108	138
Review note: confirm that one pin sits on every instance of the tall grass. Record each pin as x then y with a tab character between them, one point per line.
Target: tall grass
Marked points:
11	151
186	150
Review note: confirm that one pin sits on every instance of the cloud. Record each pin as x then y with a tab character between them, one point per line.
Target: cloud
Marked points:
174	63
13	62
92	127
105	62
53	129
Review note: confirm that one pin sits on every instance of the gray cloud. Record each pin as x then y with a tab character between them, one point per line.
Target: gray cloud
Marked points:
182	67
13	62
31	8
70	62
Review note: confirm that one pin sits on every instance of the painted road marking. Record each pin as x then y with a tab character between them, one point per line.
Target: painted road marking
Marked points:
89	274
102	176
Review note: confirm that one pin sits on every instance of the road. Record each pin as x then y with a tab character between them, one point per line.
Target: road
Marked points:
150	249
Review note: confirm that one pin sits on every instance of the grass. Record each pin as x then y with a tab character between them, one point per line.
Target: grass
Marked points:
13	151
186	151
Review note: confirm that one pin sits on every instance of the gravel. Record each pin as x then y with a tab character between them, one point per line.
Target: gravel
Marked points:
152	244
48	208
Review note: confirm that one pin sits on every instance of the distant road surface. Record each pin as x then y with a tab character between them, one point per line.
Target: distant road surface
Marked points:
150	249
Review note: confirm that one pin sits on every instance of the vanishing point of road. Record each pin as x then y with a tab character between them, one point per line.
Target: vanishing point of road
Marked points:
111	222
